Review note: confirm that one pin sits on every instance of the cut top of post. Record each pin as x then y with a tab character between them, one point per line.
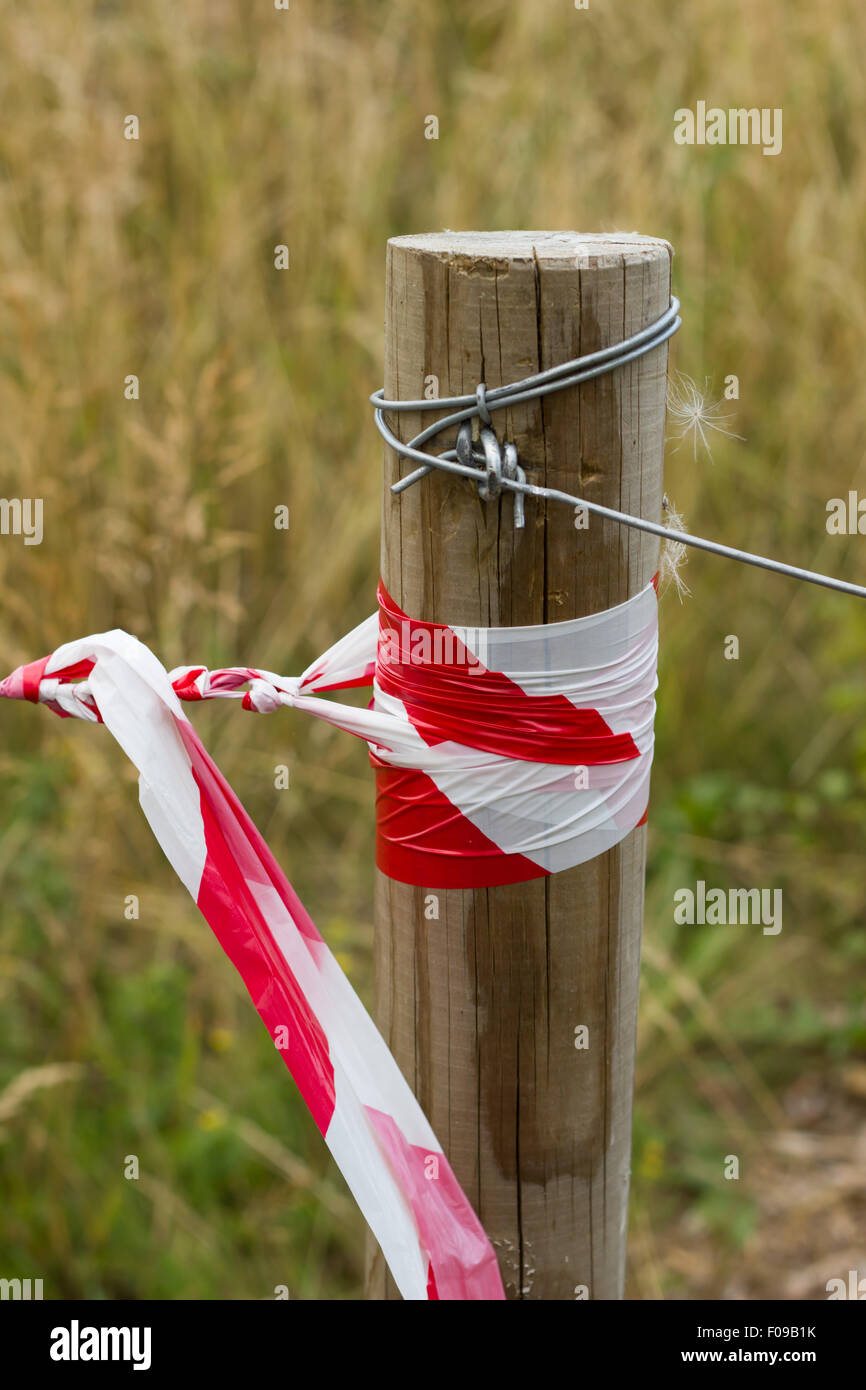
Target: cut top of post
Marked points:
580	249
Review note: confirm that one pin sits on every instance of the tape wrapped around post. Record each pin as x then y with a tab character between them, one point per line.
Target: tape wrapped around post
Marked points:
523	751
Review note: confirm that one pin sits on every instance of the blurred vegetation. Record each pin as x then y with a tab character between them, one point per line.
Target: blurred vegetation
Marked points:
155	257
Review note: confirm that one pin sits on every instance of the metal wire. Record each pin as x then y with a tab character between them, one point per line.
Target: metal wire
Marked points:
490	476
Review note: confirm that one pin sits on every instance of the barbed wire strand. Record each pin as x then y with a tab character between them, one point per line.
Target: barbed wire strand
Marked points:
481	405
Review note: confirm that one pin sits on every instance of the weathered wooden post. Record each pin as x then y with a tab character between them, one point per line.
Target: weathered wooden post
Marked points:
480	1007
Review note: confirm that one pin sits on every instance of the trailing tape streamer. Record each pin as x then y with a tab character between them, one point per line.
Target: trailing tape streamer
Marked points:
501	754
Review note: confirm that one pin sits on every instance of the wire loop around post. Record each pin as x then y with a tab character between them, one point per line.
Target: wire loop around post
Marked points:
466	463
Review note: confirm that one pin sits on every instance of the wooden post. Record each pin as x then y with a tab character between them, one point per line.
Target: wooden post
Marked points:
480	1006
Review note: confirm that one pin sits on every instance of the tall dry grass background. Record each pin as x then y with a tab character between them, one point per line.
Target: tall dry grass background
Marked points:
156	258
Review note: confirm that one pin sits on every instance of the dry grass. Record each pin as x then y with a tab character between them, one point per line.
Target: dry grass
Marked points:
156	258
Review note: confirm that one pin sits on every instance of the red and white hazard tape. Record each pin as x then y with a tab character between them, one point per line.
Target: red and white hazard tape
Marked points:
501	754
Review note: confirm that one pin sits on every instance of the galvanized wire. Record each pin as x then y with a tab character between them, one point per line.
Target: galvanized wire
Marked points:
483	461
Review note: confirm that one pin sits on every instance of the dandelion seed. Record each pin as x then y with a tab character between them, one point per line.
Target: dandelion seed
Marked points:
674	554
693	413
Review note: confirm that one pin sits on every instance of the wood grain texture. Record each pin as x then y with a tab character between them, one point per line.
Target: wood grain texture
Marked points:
480	1006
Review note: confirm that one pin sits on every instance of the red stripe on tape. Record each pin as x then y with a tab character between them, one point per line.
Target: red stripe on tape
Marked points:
451	698
31	675
237	859
422	839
